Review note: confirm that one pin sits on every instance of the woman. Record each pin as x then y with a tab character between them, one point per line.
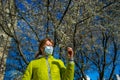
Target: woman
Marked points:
46	67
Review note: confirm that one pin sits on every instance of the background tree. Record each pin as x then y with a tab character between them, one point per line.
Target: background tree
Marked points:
6	22
90	27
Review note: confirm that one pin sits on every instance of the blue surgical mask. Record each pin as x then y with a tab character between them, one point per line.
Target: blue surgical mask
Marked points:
48	50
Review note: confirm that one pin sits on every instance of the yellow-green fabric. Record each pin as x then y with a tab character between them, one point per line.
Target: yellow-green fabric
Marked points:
39	70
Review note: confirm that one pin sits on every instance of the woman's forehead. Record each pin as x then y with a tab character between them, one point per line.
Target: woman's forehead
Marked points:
48	42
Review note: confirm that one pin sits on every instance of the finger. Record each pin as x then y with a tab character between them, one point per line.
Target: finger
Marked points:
69	48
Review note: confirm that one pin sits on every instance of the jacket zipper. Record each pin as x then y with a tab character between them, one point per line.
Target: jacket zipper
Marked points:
49	71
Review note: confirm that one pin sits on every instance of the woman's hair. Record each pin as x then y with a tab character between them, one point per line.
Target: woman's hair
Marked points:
41	44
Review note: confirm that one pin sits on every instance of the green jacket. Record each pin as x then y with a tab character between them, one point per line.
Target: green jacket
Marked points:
49	69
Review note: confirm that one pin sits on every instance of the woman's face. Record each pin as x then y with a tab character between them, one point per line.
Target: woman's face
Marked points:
48	43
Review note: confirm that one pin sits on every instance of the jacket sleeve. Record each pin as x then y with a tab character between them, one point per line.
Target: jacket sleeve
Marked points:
67	73
28	73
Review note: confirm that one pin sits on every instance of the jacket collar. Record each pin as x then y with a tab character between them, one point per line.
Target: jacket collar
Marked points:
44	56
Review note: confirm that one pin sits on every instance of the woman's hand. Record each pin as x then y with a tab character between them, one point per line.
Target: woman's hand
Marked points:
70	53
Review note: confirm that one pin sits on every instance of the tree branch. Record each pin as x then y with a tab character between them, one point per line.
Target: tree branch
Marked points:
114	59
64	13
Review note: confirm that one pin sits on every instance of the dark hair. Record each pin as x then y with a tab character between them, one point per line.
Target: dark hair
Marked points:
41	44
